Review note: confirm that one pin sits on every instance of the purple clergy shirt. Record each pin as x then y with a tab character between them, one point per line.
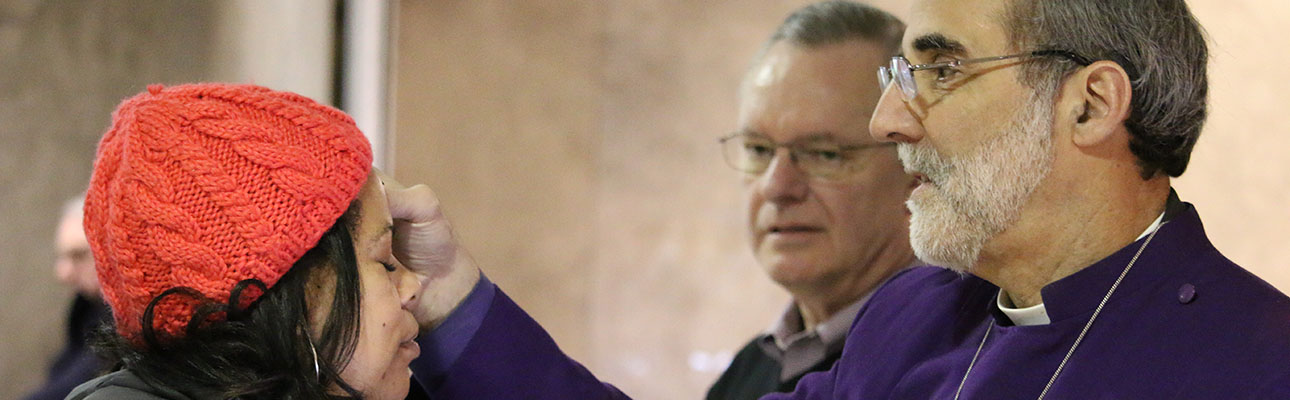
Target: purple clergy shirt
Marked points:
1186	323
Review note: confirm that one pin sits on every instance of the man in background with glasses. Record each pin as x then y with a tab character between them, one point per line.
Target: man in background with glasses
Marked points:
1043	135
826	212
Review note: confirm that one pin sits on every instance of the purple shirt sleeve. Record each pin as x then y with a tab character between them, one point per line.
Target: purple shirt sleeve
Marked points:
488	348
815	385
441	347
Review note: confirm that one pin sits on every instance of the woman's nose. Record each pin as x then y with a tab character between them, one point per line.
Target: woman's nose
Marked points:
409	287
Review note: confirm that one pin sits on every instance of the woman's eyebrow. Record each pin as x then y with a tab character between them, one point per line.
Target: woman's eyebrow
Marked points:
388	230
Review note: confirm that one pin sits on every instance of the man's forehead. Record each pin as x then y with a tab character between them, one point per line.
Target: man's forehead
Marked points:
829	82
972	27
802	138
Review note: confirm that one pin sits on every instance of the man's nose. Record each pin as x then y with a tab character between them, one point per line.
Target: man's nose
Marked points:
63	270
893	120
783	181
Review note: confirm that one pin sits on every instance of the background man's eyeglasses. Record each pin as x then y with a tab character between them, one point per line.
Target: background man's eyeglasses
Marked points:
820	159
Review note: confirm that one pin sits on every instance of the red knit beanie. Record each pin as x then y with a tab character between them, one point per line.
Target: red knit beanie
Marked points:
206	185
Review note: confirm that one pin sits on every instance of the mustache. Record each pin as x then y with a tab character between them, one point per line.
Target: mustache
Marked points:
924	159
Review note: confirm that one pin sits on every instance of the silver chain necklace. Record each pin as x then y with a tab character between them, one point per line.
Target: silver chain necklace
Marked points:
1078	339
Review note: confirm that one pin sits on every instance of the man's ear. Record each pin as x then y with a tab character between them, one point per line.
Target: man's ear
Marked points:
1095	102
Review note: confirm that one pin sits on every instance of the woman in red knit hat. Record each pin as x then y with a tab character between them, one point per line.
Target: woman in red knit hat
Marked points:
246	247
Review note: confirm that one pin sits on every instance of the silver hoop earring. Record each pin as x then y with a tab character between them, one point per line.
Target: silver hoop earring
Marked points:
314	353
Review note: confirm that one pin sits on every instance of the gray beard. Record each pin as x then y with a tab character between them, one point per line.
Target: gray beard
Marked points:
974	198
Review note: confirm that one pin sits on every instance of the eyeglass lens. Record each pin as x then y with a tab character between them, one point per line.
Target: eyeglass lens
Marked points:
754	155
904	77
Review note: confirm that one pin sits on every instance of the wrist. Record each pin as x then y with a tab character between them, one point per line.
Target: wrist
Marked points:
441	295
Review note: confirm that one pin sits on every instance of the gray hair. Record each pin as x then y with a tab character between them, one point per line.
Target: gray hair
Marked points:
837	21
1158	43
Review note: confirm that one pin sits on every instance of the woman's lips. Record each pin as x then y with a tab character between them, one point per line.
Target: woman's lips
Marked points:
411	347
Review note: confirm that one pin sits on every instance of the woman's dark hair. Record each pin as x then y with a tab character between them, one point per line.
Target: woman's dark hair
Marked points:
264	350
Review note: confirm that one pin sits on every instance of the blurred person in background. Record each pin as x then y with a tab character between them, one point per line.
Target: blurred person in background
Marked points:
826	210
74	267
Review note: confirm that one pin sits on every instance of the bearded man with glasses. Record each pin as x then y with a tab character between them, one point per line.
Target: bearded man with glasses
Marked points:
1043	135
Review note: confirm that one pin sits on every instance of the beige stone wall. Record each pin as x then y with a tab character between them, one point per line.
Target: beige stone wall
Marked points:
573	144
1239	177
497	109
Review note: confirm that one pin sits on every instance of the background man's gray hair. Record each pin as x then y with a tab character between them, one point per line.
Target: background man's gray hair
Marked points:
836	21
1160	45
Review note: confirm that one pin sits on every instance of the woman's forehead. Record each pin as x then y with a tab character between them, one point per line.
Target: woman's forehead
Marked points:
374	218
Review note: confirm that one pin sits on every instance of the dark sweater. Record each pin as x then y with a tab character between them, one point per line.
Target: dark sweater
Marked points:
125	385
76	363
753	374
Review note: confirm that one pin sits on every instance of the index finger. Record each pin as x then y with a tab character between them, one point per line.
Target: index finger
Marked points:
416	204
387	182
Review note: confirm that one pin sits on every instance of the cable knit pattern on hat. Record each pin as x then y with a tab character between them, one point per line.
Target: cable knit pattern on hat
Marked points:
207	185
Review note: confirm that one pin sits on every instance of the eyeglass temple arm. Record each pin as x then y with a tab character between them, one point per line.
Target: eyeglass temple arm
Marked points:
1070	55
1081	60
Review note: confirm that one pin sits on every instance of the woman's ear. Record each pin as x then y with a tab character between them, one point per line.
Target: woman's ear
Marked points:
1095	102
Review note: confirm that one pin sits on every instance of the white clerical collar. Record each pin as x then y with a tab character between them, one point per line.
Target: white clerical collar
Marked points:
1038	314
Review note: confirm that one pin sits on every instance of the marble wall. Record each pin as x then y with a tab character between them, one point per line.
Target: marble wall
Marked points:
574	146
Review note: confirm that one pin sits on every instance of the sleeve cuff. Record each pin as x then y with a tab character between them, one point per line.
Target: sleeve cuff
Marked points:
443	345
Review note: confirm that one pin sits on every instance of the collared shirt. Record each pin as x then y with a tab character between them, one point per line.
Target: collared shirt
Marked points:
1038	313
1185	322
798	349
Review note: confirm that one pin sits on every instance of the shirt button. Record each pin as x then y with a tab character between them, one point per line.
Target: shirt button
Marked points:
1186	293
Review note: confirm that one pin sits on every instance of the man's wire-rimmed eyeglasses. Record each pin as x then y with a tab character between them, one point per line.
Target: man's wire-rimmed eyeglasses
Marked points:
822	159
901	71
